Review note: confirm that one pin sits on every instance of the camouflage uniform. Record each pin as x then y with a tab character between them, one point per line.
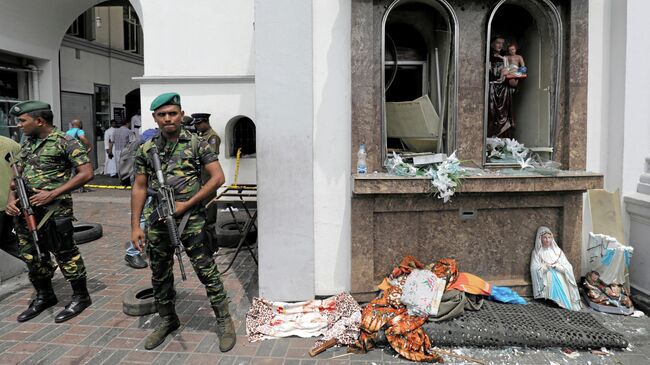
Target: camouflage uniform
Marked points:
182	173
46	165
212	138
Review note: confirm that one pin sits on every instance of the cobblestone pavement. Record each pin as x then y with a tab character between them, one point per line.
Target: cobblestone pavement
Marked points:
104	335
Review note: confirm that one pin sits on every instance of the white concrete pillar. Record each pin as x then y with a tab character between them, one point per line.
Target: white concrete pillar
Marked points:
285	148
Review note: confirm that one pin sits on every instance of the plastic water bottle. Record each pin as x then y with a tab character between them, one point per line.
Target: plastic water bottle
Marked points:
362	168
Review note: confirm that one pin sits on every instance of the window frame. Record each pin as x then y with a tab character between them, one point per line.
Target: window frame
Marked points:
452	90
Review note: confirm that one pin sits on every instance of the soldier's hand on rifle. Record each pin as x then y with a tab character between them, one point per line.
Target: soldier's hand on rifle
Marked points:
42	197
137	237
181	207
12	209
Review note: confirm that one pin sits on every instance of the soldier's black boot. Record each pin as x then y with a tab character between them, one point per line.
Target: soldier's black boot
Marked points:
45	298
225	327
80	301
168	324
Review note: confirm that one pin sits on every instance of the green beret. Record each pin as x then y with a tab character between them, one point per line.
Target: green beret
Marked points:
165	99
28	107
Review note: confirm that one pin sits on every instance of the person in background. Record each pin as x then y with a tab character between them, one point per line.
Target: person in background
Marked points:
121	137
205	131
110	165
136	123
78	133
133	257
8	240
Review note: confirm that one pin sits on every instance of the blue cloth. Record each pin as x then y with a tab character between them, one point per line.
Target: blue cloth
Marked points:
556	293
75	132
148	134
505	295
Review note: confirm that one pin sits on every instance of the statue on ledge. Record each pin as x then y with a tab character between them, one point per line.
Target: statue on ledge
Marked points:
552	273
501	122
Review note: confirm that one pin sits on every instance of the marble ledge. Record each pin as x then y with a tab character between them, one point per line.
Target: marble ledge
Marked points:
564	181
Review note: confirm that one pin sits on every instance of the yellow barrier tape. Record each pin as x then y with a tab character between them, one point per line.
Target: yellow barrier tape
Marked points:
116	187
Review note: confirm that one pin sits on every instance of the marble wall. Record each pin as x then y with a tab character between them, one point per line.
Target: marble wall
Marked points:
472	16
389	221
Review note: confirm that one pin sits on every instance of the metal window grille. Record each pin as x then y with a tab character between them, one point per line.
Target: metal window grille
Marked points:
243	137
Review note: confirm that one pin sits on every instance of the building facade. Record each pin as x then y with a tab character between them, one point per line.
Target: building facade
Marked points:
289	68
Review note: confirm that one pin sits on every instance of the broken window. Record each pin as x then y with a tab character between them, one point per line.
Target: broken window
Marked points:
522	74
419	77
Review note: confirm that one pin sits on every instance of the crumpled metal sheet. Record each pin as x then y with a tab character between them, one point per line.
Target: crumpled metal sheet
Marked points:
532	325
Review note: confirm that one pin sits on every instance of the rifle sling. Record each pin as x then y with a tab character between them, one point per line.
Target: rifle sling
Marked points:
181	226
48	214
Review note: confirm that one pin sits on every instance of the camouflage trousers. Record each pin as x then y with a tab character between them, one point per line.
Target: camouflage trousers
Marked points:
56	237
161	256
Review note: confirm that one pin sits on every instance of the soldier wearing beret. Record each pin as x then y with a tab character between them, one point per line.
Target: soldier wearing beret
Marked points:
46	158
180	153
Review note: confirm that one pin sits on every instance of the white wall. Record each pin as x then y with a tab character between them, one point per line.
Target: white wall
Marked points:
210	37
618	112
332	141
637	94
284	82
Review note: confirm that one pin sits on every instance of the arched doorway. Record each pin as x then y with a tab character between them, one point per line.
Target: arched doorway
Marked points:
533	30
100	53
419	73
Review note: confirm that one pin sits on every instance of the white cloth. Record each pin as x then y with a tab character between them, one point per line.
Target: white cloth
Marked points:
136	123
110	166
422	293
611	258
552	273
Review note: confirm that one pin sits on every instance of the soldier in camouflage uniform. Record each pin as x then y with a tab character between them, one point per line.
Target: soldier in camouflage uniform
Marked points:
182	157
204	130
46	159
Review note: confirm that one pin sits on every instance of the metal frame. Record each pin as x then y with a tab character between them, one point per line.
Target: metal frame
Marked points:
453	111
553	14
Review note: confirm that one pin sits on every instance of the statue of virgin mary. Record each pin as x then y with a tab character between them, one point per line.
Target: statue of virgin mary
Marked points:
552	273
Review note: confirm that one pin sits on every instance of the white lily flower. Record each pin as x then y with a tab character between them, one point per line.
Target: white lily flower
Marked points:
525	164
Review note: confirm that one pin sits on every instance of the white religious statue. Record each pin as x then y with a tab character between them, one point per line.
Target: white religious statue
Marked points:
552	273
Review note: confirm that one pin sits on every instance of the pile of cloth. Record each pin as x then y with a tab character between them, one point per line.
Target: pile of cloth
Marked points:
412	295
336	319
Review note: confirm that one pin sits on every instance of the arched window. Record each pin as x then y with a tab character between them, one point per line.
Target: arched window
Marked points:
419	73
241	134
523	103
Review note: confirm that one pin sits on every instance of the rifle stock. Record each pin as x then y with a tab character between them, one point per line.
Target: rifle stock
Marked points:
25	206
166	209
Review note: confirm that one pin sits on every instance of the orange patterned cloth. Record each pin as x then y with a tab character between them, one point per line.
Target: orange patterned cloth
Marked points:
446	269
470	283
403	331
406	266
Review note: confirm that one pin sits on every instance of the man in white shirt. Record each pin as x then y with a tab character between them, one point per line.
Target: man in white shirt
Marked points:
136	123
110	166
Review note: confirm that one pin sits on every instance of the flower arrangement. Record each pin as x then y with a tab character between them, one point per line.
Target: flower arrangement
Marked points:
445	177
506	150
509	150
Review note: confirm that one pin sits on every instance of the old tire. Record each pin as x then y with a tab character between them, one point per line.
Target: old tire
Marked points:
86	232
227	235
139	301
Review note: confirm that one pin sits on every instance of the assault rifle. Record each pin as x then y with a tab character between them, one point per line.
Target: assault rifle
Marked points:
25	206
166	209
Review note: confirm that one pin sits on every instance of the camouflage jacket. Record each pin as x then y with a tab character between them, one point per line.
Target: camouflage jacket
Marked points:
212	138
178	164
47	163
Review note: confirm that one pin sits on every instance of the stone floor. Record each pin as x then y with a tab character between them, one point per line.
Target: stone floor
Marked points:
104	335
